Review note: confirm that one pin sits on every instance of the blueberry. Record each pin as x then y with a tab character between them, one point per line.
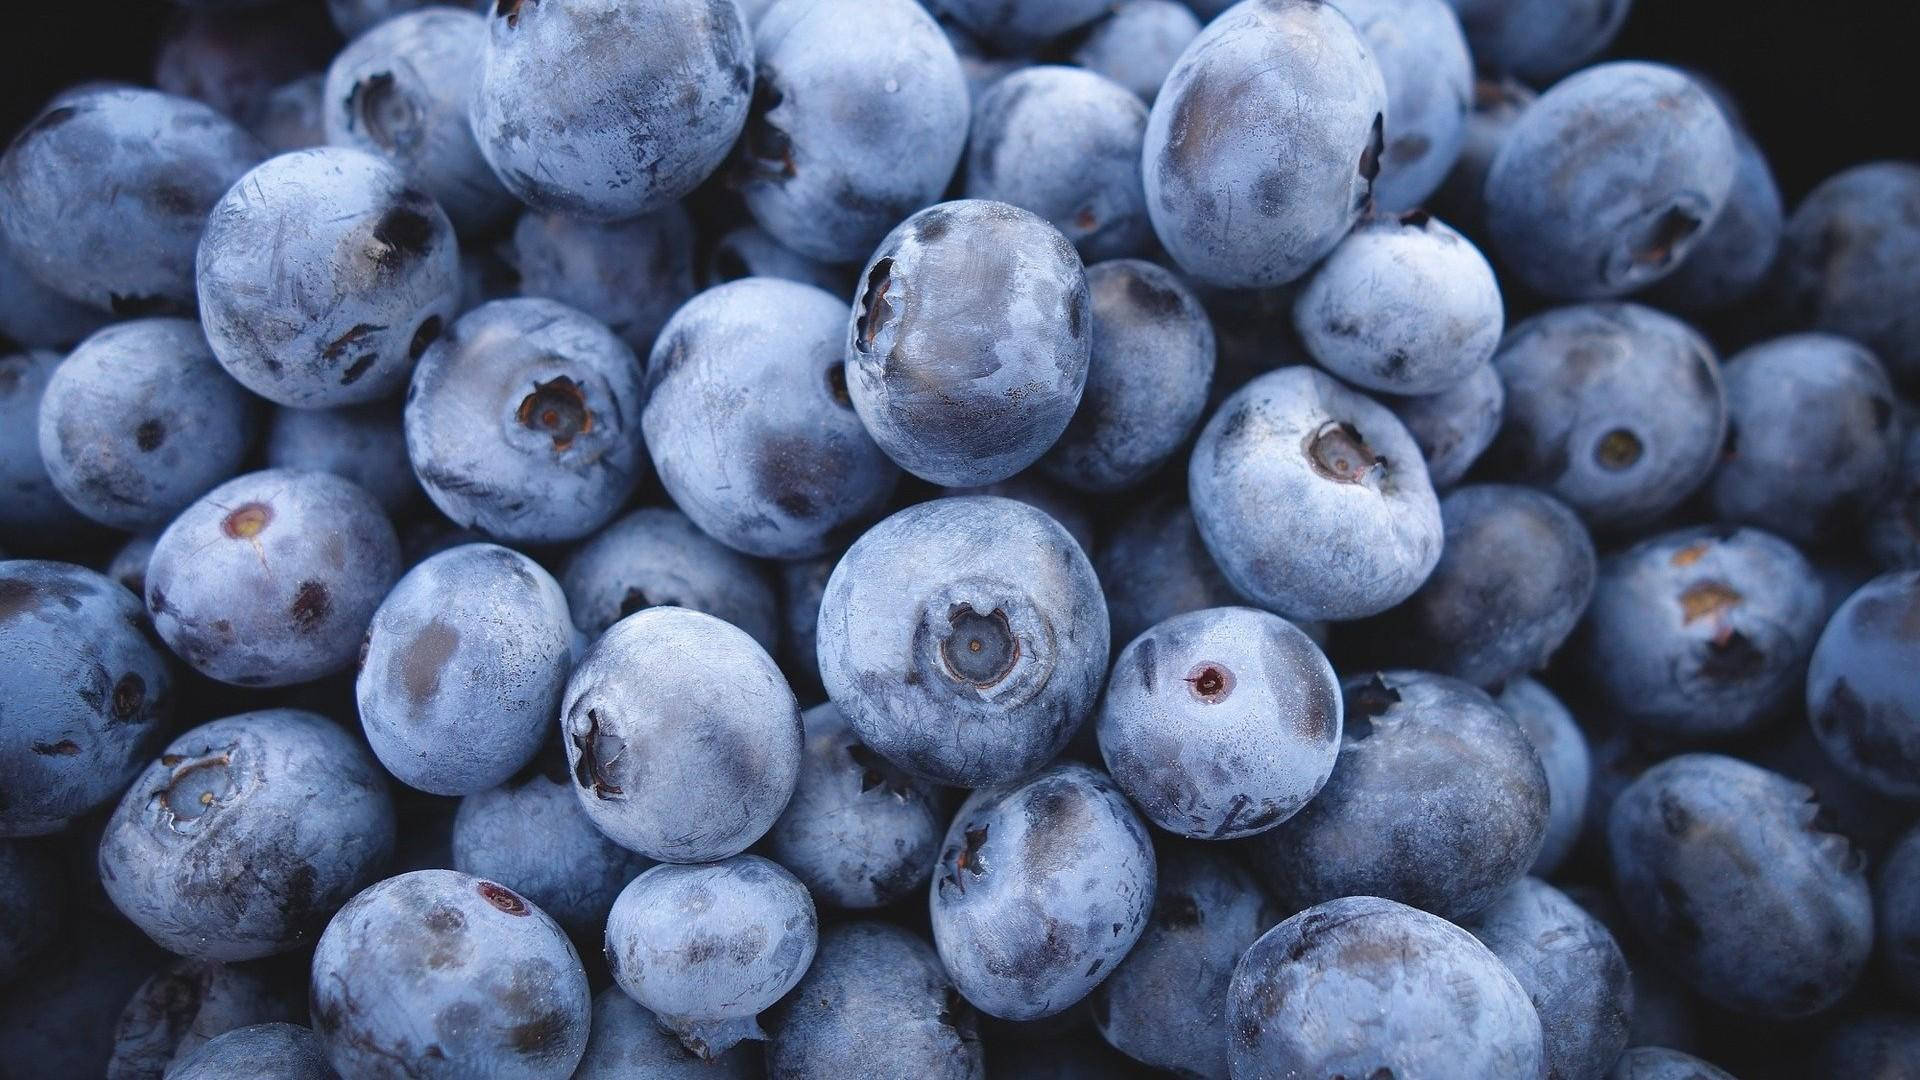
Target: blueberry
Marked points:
1609	180
531	835
1731	260
1893	524
523	421
630	275
1572	970
828	177
185	1005
1660	1063
1154	567
355	17
107	191
875	1002
1065	506
749	251
369	264
683	738
1433	1001
1462	198
463	667
1515	574
708	948
1665	1013
967	349
1041	889
1861	694
232	60
1849	263
1404	305
1422	54
139	421
1221	723
1064	143
88	693
442	974
1722	867
1137	44
1539	40
1455	426
802	584
1231	210
1616	409
1569	764
36	897
399	91
1148	377
1812	437
1313	498
859	833
246	834
270	578
363	443
628	1041
604	110
964	639
1701	633
1896	909
655	557
258	1052
1016	26
1165	1004
291	115
1438	800
32	512
980	66
35	316
1877	1044
749	378
59	1018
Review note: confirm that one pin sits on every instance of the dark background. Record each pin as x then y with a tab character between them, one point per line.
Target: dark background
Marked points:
1823	85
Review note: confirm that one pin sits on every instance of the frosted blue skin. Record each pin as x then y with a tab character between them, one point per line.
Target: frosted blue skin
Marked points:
655	557
85	693
1041	889
461	674
750	251
257	1052
1065	144
1849	263
628	1041
270	578
968	343
1722	867
139	421
1572	970
876	1002
361	273
1539	40
523	422
32	513
682	736
36	892
1617	410
399	91
1730	262
1563	753
362	443
36	317
1813	432
708	948
246	834
907	606
858	833
1423	56
354	17
1404	305
1221	723
1165	1004
1893	524
1702	633
1608	181
1461	199
605	110
1896	909
441	974
1153	567
188	1003
859	118
1455	426
1148	377
1313	499
531	835
108	189
1064	505
290	117
1021	25
630	275
1360	983
1266	73
750	425
1438	800
1861	696
1137	45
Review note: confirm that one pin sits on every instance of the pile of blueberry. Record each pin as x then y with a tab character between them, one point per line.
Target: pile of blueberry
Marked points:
1301	539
